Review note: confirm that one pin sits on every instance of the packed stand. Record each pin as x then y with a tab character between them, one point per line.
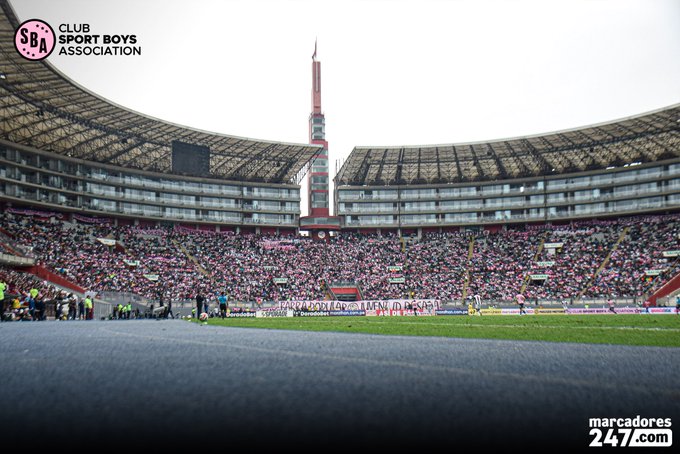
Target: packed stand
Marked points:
571	266
638	264
499	264
153	263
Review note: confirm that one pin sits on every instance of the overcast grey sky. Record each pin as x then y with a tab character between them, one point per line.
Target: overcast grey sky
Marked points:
394	72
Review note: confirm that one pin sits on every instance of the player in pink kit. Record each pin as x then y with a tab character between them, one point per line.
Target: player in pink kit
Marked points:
520	302
610	302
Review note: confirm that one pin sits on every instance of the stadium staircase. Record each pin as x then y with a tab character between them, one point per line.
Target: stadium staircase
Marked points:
471	251
199	267
536	257
327	294
345	291
47	275
671	288
118	247
604	263
13	254
10	246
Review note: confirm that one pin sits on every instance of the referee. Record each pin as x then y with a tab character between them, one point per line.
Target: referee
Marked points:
222	299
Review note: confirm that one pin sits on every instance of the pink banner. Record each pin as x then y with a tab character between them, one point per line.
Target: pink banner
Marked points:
184	229
601	310
284	245
360	305
159	258
400	313
29	212
90	220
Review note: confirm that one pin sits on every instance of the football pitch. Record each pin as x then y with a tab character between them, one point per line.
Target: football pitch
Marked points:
623	329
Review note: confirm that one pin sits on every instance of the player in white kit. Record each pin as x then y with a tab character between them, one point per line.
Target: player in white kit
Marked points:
478	304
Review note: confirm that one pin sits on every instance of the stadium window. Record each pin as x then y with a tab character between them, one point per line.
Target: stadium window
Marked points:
536	199
536	212
674	169
582	181
651	172
557	184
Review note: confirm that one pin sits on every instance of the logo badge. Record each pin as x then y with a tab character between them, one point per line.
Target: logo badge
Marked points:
35	40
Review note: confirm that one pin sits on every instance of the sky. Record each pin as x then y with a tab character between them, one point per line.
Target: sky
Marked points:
394	72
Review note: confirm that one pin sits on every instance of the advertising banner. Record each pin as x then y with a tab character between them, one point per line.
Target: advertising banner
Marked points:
504	311
398	313
247	314
311	313
490	311
660	310
455	311
276	313
603	310
549	311
367	305
347	313
396	280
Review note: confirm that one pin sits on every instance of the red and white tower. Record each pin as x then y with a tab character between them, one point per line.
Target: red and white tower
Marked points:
319	222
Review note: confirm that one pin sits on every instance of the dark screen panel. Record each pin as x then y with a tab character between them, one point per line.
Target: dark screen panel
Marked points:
190	159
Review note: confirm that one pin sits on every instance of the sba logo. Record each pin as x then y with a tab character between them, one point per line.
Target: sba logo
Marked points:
34	39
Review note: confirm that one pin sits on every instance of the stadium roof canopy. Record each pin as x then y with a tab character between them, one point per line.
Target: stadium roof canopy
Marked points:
654	136
42	108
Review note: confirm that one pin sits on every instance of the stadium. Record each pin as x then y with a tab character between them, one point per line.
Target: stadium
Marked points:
133	217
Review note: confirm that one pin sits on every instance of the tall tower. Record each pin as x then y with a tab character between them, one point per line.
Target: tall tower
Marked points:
319	222
318	177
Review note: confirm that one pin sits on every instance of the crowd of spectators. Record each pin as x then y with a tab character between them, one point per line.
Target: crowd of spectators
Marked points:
570	267
638	260
24	296
500	262
176	264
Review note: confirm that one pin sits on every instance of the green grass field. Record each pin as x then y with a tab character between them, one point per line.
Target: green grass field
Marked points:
655	330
